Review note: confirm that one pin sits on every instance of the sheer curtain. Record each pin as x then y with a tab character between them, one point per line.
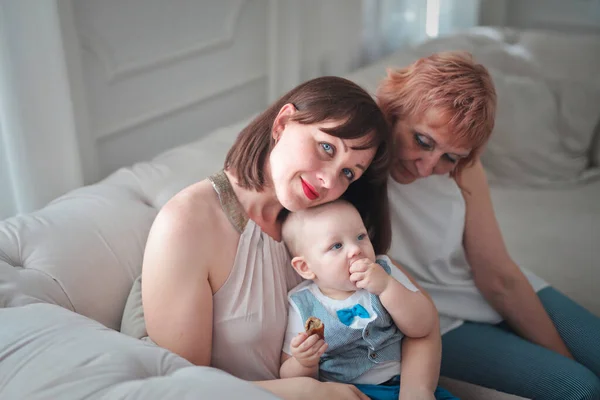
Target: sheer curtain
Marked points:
392	24
39	146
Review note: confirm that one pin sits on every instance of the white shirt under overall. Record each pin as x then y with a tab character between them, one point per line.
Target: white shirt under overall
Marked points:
428	222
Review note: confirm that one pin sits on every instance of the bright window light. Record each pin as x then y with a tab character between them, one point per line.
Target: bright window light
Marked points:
432	22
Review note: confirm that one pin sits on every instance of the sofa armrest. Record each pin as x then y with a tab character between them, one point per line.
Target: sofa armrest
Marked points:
82	251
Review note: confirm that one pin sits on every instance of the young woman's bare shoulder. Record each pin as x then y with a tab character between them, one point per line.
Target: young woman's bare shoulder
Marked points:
185	229
193	208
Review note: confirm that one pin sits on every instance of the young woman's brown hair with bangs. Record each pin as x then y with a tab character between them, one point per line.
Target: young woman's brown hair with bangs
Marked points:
452	83
327	98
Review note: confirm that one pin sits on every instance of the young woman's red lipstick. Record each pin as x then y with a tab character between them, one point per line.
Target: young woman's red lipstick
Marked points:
309	191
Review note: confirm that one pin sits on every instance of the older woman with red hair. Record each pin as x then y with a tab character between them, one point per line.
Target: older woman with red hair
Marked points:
502	327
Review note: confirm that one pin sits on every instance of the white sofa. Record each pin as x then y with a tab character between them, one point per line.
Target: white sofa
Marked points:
67	269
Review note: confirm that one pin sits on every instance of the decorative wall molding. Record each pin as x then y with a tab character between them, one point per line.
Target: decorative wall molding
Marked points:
81	111
93	41
284	47
175	108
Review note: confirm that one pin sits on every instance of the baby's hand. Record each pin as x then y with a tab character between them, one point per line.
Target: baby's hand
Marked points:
308	350
369	276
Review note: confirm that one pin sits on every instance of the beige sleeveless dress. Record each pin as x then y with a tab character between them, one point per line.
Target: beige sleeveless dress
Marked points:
250	309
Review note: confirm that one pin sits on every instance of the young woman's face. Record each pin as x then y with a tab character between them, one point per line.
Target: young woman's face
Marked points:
310	167
421	148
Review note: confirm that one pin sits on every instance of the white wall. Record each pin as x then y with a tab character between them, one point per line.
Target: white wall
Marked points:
90	86
7	201
158	74
147	75
142	76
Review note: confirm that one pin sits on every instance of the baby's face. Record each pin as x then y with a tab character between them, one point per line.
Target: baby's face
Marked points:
332	239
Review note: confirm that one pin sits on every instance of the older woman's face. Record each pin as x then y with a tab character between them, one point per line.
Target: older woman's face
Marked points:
422	148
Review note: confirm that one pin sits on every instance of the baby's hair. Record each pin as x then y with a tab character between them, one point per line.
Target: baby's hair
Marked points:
292	223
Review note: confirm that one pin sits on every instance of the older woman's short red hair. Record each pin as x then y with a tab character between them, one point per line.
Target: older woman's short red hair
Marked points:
461	91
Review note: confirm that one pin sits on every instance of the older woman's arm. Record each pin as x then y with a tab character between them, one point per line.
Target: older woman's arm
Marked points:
421	358
498	278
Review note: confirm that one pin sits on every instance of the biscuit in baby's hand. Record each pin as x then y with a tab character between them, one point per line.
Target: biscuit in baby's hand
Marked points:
314	325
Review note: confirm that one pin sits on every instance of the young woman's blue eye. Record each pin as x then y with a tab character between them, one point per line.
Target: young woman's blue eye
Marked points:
421	142
348	173
328	148
336	246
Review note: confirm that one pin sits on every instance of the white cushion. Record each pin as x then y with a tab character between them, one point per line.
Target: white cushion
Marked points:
543	131
81	252
562	55
48	352
84	250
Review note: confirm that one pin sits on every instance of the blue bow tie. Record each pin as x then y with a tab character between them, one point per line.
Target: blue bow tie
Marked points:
347	315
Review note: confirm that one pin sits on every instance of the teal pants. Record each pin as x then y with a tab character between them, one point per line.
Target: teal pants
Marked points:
496	357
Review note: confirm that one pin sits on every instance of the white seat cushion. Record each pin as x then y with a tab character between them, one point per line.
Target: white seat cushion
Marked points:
48	352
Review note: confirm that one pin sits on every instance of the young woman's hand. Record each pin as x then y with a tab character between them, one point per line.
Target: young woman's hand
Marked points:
307	350
369	275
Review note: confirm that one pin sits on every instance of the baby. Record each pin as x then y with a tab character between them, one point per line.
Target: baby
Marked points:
366	304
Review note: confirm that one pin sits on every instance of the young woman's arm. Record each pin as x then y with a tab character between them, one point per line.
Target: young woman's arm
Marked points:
175	280
421	358
496	275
